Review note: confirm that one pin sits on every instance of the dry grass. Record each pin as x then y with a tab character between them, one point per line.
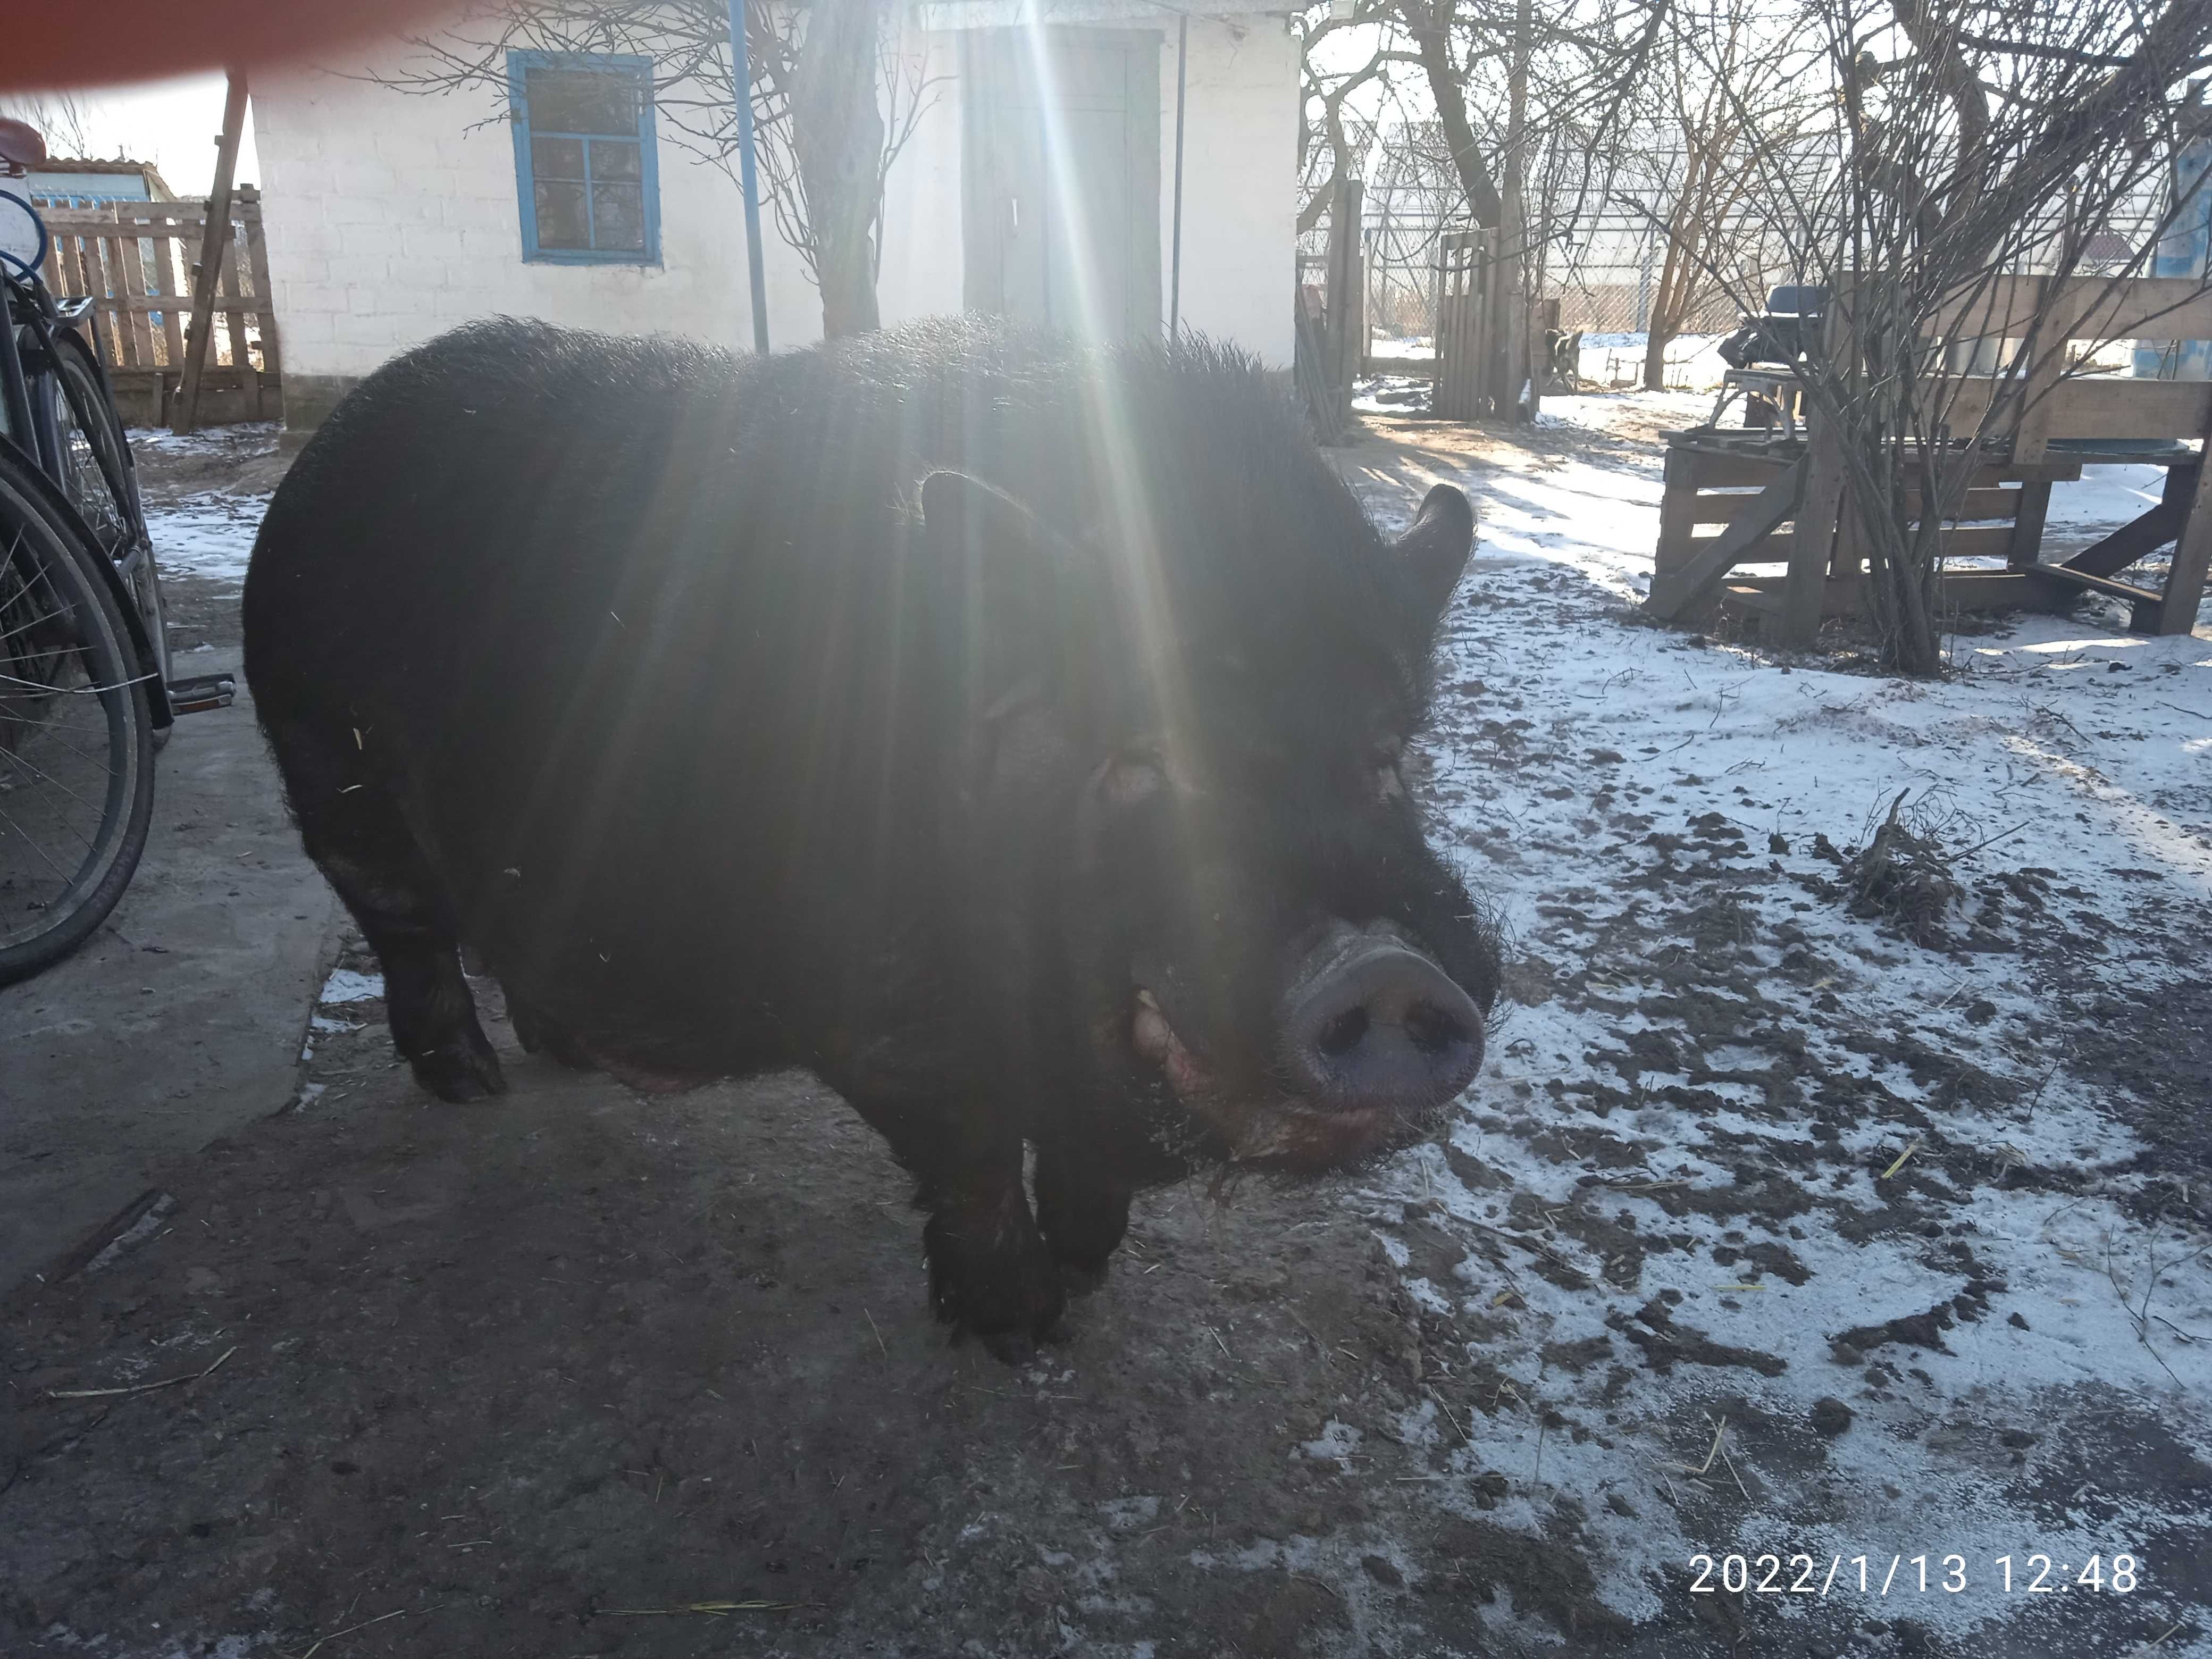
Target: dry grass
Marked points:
1903	874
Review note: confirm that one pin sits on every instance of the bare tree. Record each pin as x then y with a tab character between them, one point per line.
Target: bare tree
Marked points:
1344	57
1972	144
60	118
834	103
1720	102
1533	103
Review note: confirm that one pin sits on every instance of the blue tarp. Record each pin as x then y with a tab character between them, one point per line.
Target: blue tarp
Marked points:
2181	252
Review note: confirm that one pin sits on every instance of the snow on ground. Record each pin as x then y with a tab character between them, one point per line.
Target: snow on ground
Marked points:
237	441
1740	1158
1693	361
1738	1153
208	534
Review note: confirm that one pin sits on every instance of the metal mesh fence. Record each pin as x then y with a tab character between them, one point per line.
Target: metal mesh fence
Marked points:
1610	293
1605	271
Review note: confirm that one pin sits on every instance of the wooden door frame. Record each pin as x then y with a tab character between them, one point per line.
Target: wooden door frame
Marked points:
981	56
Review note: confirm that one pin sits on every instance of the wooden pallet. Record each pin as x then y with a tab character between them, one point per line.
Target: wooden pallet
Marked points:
1782	503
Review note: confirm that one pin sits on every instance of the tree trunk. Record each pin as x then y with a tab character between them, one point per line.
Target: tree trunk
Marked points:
1509	288
1430	23
1662	325
1668	307
837	140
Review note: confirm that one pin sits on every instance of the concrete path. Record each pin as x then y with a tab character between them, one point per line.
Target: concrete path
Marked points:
182	1019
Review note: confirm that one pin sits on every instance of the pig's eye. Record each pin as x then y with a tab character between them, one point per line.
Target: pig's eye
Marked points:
1132	774
1389	782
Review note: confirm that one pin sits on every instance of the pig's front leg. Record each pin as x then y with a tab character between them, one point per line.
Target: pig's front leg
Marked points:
989	1270
1082	1209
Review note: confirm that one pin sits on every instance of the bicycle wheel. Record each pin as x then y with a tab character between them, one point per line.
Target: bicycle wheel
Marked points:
102	484
76	753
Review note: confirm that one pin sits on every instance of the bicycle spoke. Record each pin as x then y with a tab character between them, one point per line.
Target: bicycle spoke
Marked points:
66	876
15	758
47	731
38	622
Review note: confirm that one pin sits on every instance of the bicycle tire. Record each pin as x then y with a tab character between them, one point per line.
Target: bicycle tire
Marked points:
102	484
69	669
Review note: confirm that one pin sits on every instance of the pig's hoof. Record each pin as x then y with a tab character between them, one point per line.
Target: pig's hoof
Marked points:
460	1071
1081	1278
998	1294
1010	1348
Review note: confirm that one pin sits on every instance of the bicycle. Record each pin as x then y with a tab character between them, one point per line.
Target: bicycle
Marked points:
85	692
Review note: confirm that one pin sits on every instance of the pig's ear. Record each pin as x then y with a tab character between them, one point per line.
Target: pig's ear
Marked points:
996	583
1432	555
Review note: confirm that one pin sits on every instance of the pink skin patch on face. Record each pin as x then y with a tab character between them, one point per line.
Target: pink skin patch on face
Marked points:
1285	1132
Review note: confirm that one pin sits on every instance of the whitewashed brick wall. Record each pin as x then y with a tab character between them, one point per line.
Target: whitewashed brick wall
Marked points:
393	216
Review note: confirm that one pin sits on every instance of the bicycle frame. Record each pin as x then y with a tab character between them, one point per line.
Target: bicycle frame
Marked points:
41	449
34	433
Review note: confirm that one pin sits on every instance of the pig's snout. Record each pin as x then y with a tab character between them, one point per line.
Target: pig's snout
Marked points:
1371	1025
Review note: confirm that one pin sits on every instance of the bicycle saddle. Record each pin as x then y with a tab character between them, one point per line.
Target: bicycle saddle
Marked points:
20	148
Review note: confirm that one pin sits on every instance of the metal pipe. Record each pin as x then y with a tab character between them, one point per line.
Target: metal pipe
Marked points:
1175	265
741	84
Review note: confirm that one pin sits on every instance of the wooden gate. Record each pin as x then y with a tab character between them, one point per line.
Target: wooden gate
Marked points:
137	261
1466	322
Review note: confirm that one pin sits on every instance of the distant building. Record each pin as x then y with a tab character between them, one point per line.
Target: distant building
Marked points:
79	184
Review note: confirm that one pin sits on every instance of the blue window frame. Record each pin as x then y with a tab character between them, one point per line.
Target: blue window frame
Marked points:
585	171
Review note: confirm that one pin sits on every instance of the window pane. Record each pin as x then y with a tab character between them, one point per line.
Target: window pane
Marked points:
583	101
618	217
557	158
561	215
612	159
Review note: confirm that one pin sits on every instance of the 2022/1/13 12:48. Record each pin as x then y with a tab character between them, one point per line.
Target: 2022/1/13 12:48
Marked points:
1803	1574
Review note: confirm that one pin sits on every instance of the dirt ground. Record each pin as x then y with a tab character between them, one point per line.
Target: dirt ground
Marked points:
586	1372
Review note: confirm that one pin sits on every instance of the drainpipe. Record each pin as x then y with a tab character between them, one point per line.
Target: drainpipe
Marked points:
741	85
1175	262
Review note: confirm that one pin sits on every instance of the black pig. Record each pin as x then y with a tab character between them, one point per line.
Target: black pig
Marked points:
1009	733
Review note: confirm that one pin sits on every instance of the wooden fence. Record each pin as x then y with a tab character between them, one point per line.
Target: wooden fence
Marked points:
1490	362
2036	424
1465	323
138	262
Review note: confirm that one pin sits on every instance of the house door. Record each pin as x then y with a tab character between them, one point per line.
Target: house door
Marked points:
1060	185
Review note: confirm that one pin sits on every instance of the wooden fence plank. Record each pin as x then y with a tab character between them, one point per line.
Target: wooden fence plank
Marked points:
134	259
2095	406
1712	561
2099	308
256	255
128	272
174	284
1707	506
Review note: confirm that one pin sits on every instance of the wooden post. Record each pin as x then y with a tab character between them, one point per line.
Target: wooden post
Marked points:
2060	314
1344	338
2192	560
1823	528
208	274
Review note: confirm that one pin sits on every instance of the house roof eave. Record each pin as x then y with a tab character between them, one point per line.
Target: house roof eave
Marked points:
950	14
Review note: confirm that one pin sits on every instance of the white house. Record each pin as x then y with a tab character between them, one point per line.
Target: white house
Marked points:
393	216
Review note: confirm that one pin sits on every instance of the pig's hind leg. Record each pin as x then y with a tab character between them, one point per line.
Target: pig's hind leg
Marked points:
356	833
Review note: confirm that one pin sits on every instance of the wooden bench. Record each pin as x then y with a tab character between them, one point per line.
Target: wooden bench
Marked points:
2064	423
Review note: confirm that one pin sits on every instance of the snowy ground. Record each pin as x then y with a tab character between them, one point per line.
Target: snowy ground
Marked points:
1744	1157
1768	1230
207	532
1693	362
